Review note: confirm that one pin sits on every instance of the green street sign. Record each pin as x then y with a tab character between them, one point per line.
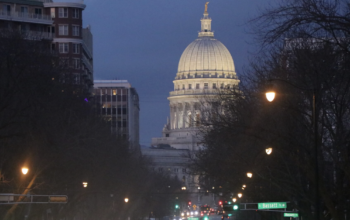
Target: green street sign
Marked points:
272	205
293	215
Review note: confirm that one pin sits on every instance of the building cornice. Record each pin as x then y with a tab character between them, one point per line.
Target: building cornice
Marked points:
64	4
67	40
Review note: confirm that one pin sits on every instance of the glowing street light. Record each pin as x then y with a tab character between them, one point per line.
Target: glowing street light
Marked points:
268	150
183	188
25	170
234	200
85	184
249	175
270	95
239	195
244	186
126	200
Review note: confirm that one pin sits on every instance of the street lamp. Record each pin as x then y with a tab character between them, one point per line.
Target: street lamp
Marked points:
249	175
25	170
85	184
270	95
234	200
268	150
239	195
183	188
126	200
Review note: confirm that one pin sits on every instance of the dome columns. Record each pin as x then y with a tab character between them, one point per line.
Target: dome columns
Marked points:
184	114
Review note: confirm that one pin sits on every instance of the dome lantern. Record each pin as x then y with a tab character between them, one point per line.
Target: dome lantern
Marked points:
206	24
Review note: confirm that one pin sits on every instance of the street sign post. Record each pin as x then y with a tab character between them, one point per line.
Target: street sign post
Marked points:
272	205
293	215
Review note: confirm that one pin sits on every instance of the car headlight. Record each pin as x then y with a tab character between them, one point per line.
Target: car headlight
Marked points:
196	213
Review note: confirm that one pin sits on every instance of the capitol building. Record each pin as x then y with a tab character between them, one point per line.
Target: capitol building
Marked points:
205	67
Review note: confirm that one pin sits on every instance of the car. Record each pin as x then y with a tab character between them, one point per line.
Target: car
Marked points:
225	216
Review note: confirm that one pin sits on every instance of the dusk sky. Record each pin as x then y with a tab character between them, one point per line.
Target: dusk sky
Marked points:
142	40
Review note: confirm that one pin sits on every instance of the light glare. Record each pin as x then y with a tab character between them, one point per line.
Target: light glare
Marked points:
270	96
249	175
25	170
268	150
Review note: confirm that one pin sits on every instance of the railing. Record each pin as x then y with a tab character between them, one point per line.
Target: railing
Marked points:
37	35
19	16
87	64
194	92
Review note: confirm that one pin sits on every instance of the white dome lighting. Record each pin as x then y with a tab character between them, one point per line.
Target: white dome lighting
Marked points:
206	57
206	54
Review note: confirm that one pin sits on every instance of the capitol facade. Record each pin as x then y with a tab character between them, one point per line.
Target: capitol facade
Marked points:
205	66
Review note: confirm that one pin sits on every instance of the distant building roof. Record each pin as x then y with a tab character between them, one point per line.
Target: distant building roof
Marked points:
111	83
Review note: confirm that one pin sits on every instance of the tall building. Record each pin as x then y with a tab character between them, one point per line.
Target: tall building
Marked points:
205	67
120	106
58	22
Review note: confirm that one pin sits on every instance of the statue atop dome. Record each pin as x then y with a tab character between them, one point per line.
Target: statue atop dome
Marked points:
206	8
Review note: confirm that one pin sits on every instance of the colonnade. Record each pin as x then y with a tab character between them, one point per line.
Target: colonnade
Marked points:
184	115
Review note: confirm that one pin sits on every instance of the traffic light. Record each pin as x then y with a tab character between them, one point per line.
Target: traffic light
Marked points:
206	218
176	206
220	202
230	207
235	207
189	203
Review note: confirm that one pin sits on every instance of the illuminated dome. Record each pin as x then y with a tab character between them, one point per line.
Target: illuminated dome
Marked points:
206	55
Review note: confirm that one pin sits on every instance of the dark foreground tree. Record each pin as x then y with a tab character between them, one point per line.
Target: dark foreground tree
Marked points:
52	128
243	124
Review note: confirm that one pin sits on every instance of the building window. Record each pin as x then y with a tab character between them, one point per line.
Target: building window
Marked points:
76	79
76	63
205	85
24	11
53	12
76	30
75	13
6	9
53	47
176	170
76	48
64	61
183	86
189	86
222	86
214	85
197	86
63	12
114	92
63	47
184	171
63	29
38	12
160	169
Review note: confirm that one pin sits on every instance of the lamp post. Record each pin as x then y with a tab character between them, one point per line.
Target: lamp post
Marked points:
270	96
